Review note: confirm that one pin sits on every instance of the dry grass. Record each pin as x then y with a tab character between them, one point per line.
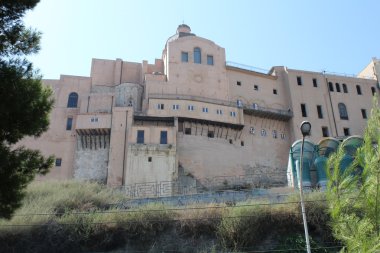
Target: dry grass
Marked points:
81	219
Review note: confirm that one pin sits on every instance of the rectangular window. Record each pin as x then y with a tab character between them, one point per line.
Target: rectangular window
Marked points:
274	91
299	80
164	137
150	159
210	134
346	131
58	162
364	113
337	86
242	143
185	57
233	114
331	87
69	123
188	130
210	60
319	110
315	83
238	83
325	131
205	109
160	106
190	107
303	110
255	87
175	107
358	90
140	136
219	111
274	134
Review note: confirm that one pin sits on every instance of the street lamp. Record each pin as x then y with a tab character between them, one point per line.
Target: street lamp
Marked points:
305	130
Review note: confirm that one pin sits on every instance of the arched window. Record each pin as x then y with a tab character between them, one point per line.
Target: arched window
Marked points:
331	86
373	91
197	55
345	88
72	102
342	111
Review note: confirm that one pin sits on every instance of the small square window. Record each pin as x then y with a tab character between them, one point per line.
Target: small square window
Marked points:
175	107
255	87
210	60
274	134
274	91
150	159
190	107
346	131
299	80
160	106
230	141
185	57
282	135
58	162
205	109
263	132
315	84
238	83
252	130
219	111
210	134
233	114
188	130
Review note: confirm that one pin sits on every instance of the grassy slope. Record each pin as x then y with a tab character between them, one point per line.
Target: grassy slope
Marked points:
81	218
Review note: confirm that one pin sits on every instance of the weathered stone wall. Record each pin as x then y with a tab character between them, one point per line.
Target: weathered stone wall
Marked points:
224	162
91	158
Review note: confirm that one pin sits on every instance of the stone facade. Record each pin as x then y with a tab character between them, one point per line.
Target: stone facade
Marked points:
193	118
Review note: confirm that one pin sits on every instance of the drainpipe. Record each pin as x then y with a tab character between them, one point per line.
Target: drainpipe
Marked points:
125	146
331	105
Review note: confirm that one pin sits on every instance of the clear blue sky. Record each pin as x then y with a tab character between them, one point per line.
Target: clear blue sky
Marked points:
337	36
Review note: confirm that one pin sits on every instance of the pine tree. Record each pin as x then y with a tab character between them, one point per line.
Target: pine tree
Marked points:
25	105
354	195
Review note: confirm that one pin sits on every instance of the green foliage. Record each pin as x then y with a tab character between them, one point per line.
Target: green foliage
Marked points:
354	195
24	105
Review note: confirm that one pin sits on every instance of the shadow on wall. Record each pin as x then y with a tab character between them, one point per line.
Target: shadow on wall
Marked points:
315	160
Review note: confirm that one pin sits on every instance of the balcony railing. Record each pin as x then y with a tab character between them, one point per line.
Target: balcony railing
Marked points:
263	112
192	98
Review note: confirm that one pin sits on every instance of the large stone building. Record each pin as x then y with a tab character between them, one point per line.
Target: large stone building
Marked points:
191	118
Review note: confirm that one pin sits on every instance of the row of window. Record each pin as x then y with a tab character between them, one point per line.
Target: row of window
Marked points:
197	57
342	111
325	131
141	134
256	87
263	133
337	86
176	107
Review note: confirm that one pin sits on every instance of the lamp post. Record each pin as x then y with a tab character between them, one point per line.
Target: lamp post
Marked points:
305	130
